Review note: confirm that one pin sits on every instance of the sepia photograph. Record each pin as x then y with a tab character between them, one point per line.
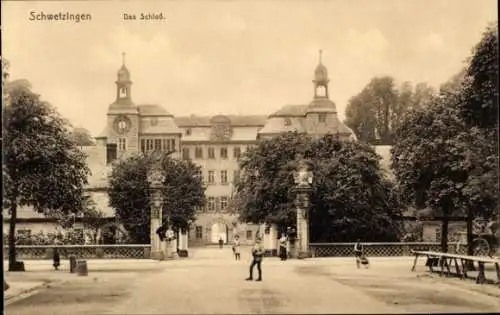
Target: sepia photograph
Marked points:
250	157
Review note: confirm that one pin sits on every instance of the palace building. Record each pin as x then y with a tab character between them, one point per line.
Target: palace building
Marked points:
215	143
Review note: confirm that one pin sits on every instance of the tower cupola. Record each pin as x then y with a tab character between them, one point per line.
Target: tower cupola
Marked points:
123	82
320	79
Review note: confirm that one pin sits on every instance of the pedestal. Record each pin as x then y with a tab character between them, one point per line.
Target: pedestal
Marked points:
183	243
157	250
302	234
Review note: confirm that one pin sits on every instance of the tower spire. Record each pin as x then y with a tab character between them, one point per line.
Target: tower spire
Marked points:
320	55
123	58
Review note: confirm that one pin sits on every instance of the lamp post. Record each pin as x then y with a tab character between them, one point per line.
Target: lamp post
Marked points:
303	179
155	180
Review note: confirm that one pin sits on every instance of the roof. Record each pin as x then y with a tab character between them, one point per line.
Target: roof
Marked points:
321	73
104	133
322	104
205	121
290	111
282	124
152	110
164	125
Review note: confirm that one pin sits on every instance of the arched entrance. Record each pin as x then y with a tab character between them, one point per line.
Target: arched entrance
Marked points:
219	230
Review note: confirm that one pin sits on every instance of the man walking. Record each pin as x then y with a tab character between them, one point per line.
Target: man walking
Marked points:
257	253
221	242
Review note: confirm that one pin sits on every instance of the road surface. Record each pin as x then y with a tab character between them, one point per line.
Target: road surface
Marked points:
211	282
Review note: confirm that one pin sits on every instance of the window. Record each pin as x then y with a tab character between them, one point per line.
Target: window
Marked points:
143	145
111	153
249	235
185	153
223	177
172	145
211	153
211	177
288	122
158	144
223	153
122	125
188	132
237	152
211	204
122	144
322	118
198	152
223	203
149	145
199	232
154	121
165	145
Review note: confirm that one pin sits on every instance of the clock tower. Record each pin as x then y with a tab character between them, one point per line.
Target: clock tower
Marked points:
123	116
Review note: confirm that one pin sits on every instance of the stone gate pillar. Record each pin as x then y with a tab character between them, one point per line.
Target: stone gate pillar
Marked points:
303	180
155	180
156	244
302	227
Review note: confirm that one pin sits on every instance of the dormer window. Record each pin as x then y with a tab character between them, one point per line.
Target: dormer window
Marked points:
288	121
188	132
322	118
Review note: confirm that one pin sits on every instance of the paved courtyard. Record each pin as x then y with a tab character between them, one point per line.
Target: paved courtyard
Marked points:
211	282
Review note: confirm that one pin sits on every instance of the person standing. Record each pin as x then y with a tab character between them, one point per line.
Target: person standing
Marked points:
358	252
283	245
56	258
236	248
221	242
257	254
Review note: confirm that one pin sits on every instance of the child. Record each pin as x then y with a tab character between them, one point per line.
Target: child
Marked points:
236	248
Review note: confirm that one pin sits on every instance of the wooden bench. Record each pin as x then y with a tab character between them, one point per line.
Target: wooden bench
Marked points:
445	260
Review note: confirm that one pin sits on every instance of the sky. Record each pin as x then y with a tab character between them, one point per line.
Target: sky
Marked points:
234	57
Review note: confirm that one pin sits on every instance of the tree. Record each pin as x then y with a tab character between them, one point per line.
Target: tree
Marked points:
442	164
446	154
378	109
371	109
82	137
263	191
349	198
42	166
480	107
128	194
427	161
423	96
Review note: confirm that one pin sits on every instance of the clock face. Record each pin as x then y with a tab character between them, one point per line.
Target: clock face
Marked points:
122	124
